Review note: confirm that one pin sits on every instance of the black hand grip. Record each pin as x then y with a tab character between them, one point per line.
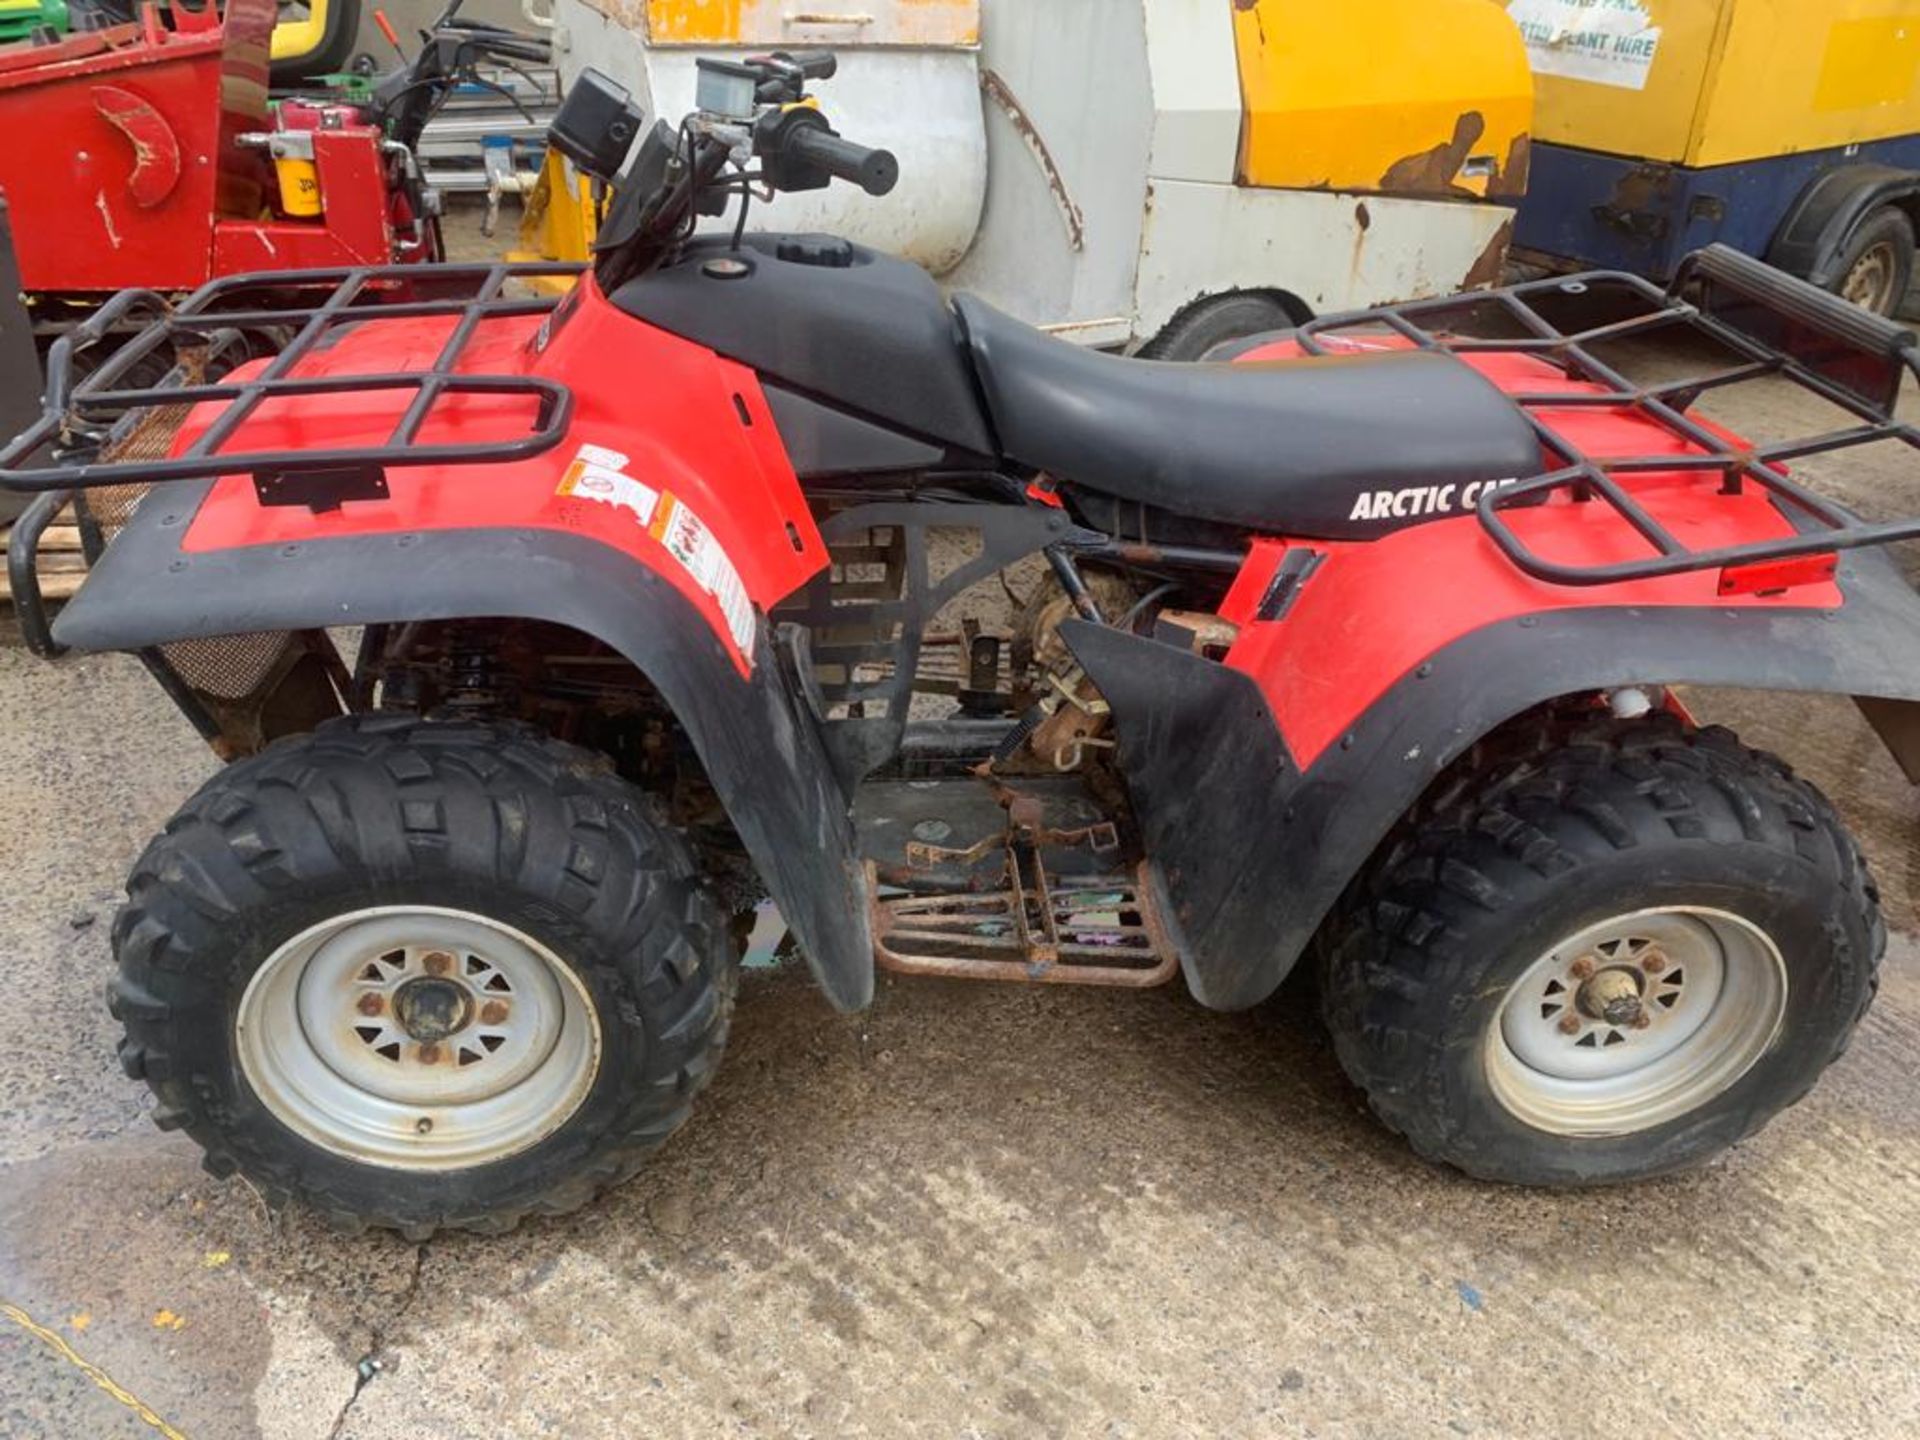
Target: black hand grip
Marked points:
1795	299
814	64
874	171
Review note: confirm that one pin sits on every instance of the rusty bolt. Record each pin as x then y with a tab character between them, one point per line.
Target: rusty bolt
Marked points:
1653	962
371	1004
1581	968
429	1054
1569	1024
438	962
1642	1020
493	1012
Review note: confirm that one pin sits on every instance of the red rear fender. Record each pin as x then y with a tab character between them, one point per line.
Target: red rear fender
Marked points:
1372	612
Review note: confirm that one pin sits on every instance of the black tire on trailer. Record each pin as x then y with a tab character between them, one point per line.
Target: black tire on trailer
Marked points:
1877	265
1214	321
422	975
1601	951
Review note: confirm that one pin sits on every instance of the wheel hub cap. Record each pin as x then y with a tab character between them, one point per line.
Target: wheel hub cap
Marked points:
430	1010
1636	1020
1613	995
418	1038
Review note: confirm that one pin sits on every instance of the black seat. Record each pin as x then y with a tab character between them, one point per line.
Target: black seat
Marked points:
1346	446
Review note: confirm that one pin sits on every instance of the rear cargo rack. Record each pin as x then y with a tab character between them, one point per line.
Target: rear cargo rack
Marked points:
1773	325
71	446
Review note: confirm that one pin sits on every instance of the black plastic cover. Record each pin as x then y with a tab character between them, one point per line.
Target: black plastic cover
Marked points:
595	125
823	441
874	336
19	359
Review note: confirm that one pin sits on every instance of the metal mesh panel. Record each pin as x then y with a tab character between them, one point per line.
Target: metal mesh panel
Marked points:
229	667
226	667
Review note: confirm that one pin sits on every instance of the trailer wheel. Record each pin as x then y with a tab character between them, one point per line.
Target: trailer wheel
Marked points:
1607	954
422	975
1878	263
1215	321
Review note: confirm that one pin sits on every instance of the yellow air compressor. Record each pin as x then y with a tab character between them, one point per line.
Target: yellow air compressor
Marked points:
1790	131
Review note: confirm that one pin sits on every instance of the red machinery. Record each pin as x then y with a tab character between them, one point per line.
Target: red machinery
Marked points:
166	167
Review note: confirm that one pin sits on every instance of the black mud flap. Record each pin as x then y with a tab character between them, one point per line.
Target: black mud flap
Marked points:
1253	852
19	359
760	750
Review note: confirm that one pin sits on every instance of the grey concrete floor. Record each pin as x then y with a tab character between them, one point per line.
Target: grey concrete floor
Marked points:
971	1211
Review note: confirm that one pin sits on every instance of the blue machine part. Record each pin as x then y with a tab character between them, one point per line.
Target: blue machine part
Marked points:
1616	212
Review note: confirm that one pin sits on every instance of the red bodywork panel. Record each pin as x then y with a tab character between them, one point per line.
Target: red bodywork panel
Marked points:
144	182
1374	610
702	456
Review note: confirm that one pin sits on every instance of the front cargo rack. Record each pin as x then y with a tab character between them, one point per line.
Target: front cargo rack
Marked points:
101	438
72	445
1770	323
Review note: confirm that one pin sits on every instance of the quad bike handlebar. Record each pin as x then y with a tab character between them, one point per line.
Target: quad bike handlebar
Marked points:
752	111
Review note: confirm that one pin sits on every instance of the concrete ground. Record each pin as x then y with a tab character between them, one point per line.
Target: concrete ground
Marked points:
972	1211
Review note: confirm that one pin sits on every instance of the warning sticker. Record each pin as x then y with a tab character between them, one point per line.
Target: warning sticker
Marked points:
1609	42
597	473
690	542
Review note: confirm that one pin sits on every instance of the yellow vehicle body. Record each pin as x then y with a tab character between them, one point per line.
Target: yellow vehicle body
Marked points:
294	38
1409	97
1729	80
314	43
559	221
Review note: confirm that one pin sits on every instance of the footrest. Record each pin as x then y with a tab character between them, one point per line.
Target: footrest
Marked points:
1087	930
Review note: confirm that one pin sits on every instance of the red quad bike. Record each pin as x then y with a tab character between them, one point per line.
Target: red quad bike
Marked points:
1355	643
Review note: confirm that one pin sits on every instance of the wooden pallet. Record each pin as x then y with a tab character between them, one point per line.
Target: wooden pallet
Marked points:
62	567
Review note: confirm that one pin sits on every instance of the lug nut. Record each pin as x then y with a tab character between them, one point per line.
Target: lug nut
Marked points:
1653	962
429	1054
1642	1020
1569	1024
438	962
493	1012
371	1004
1581	968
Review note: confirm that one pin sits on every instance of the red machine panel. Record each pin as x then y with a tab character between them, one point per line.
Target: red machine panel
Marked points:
146	119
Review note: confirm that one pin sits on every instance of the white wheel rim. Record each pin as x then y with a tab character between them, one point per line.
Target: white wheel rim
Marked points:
1636	1020
418	1038
1869	283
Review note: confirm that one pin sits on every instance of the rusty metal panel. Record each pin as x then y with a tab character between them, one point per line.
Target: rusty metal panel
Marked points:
1335	252
835	23
1403	97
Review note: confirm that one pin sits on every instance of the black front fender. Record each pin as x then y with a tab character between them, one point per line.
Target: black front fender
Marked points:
1253	851
760	750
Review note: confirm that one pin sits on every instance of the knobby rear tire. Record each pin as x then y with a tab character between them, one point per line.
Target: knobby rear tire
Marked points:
1554	826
